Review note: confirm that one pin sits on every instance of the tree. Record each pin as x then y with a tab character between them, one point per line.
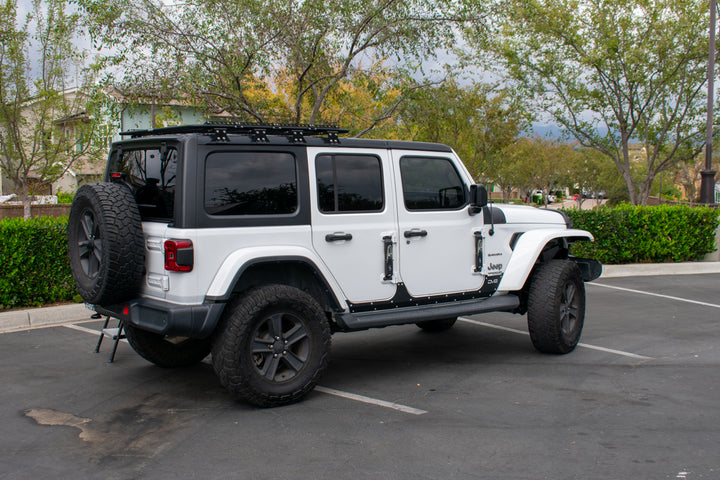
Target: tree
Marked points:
687	175
539	163
611	72
478	121
272	61
45	127
591	172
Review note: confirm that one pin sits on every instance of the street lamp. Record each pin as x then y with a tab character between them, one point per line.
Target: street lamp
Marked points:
707	185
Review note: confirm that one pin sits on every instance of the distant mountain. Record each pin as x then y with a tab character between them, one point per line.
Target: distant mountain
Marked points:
553	131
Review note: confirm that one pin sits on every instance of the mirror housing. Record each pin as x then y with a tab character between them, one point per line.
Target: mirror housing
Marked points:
478	198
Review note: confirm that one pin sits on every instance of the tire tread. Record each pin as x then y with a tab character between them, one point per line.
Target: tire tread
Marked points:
543	304
123	266
240	314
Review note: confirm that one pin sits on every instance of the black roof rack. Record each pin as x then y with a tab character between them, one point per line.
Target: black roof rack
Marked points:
258	131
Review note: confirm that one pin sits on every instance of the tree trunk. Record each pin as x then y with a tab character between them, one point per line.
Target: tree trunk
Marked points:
25	199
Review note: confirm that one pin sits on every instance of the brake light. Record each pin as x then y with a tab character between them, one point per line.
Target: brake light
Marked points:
178	255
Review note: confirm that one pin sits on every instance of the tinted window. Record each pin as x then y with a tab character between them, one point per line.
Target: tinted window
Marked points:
349	183
151	174
250	183
431	184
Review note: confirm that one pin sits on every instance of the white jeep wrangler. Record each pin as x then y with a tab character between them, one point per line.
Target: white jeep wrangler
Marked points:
255	243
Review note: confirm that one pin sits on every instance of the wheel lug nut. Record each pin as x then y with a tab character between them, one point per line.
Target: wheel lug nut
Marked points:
284	352
274	355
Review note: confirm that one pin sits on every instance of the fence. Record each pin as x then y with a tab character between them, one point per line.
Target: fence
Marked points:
16	211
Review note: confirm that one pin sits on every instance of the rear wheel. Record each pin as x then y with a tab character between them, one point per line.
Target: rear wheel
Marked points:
166	352
556	306
439	325
272	346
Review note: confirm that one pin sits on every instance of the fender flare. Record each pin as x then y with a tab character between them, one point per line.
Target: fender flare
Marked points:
239	261
528	249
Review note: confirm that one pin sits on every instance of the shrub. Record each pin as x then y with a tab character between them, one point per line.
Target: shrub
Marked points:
35	265
64	197
630	234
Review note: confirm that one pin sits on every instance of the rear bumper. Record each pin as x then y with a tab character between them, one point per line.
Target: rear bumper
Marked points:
164	318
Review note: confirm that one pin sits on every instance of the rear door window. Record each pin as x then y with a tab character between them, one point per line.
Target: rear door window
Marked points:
349	183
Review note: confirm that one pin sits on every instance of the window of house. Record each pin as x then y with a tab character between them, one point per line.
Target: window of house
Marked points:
349	183
431	183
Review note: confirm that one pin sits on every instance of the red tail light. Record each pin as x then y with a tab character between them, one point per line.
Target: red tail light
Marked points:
178	255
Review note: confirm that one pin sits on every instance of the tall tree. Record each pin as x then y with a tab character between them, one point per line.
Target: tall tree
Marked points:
611	72
45	126
479	121
270	61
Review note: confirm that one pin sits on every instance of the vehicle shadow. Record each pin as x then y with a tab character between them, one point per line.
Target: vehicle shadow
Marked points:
407	350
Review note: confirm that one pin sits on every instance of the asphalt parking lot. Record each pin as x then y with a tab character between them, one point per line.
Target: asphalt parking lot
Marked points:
638	399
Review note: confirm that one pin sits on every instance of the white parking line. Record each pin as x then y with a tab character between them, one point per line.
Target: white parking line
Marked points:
583	345
330	391
669	297
371	401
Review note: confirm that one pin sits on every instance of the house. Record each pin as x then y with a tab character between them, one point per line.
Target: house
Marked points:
119	114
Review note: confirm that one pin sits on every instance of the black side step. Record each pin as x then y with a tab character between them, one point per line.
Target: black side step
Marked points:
400	316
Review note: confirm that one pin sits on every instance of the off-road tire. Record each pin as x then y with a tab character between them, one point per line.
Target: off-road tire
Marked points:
439	325
105	243
164	352
272	345
556	306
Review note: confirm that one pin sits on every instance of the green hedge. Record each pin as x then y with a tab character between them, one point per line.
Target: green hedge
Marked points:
629	234
35	265
35	269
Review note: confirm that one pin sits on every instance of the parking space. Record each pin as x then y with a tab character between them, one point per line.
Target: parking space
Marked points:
638	399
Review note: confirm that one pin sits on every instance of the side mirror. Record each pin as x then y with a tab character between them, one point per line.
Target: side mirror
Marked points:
478	198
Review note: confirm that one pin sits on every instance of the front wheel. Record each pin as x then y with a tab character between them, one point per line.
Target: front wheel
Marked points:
556	306
271	346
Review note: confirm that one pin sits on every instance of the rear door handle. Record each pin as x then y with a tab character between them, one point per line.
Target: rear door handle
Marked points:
415	232
337	237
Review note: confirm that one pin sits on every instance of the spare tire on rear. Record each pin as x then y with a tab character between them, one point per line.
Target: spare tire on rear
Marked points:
105	243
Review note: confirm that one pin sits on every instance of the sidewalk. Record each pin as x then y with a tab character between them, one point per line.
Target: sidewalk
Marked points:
17	320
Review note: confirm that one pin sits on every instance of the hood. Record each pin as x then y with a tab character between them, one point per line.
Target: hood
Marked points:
525	214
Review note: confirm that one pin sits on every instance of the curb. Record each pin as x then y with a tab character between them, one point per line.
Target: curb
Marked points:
31	318
647	269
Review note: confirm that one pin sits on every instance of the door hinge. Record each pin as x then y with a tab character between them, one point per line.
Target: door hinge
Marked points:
388	256
478	251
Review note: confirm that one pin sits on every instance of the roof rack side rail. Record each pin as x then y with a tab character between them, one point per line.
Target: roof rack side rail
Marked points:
258	131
